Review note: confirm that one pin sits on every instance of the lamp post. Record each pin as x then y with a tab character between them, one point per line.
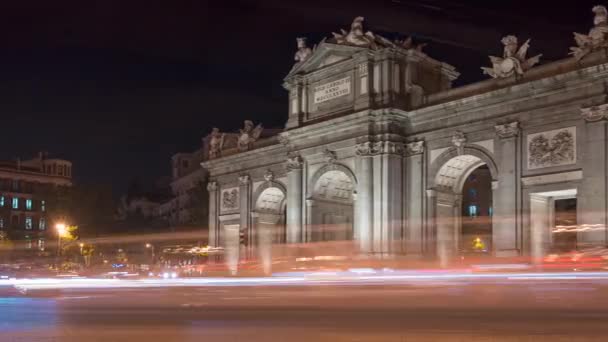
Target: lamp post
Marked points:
61	230
151	247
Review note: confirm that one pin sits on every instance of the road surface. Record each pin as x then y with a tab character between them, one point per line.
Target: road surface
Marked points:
454	310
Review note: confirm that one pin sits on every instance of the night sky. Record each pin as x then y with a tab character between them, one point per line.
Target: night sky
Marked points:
118	86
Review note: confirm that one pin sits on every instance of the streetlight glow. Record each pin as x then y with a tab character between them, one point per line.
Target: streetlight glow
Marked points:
61	229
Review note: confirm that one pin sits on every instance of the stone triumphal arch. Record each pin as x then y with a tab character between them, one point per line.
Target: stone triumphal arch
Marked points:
378	145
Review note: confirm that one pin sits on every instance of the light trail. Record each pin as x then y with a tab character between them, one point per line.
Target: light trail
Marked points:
316	278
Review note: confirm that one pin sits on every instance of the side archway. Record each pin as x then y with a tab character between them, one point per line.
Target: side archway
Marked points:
331	203
458	218
269	203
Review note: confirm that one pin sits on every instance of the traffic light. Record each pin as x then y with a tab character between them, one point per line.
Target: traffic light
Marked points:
242	238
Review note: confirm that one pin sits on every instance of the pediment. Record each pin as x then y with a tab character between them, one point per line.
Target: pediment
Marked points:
325	54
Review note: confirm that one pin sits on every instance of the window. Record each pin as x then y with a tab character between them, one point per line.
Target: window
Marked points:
472	210
28	204
15	203
472	194
28	222
1	201
42	224
42	206
490	211
41	244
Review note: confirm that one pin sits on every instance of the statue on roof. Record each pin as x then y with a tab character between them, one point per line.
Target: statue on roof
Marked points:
216	143
513	62
408	44
248	135
596	37
356	36
303	50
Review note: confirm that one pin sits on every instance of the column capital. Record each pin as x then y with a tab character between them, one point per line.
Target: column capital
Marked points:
390	147
366	149
494	185
212	186
244	180
431	193
413	148
595	113
310	202
294	162
508	130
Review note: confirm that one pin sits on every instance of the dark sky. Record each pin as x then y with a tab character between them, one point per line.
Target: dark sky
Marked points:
118	86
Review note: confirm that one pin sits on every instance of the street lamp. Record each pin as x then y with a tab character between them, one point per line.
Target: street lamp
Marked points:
61	231
151	247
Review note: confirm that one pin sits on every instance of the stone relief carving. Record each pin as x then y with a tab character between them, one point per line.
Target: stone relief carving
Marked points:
458	140
513	61
303	50
211	186
413	148
552	148
330	156
248	135
216	143
294	162
508	130
230	199
244	179
597	35
269	176
595	113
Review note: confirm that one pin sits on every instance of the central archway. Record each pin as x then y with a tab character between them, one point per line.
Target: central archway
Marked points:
331	215
462	219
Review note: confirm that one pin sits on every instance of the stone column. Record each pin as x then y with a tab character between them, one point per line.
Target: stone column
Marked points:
504	221
213	236
245	211
310	204
294	199
540	217
430	233
364	219
592	197
414	197
388	196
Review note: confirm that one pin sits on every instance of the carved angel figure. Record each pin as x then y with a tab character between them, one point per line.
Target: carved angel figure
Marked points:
356	36
216	143
408	44
248	135
513	62
303	50
596	37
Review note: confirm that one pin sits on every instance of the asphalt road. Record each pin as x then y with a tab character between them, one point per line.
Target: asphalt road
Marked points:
555	310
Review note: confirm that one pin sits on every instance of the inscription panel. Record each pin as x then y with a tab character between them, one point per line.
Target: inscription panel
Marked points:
332	90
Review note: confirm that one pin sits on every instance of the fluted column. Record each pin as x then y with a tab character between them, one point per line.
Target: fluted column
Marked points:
294	199
364	218
504	222
414	197
213	236
245	213
592	197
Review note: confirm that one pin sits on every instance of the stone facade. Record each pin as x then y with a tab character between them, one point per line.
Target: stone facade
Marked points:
377	146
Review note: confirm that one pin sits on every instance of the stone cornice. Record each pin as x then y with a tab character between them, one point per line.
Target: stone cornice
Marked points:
595	113
508	130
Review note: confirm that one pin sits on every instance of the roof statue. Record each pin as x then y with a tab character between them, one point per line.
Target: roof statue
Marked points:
248	135
596	37
216	143
358	37
513	61
303	50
